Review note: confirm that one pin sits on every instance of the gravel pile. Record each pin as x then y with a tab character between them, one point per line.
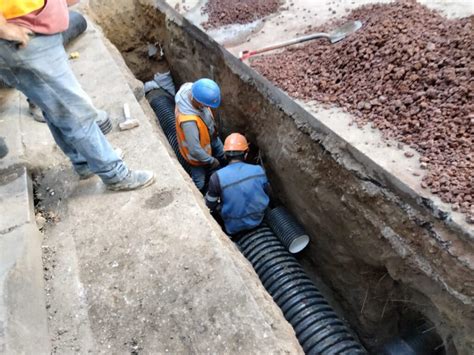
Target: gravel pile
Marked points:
227	12
408	72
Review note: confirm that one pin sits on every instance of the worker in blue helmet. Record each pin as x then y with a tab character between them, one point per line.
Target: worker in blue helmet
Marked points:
196	129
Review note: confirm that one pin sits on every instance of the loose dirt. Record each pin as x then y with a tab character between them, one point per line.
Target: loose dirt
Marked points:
408	72
227	12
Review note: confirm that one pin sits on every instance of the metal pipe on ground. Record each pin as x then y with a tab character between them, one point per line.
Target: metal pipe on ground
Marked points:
163	105
317	327
287	229
104	122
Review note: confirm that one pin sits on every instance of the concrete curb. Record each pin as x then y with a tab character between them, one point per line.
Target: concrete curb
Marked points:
23	317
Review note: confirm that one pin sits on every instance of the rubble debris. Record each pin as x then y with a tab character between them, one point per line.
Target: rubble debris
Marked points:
409	72
228	12
74	55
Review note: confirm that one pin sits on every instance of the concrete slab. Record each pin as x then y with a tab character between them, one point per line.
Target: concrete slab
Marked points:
23	318
147	271
15	200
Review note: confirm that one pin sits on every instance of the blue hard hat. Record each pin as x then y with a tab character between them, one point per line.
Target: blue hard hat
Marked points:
207	92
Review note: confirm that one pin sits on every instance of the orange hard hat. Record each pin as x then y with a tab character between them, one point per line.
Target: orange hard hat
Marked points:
236	143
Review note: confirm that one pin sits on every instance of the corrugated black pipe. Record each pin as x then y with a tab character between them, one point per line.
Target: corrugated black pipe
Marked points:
287	229
422	341
105	125
77	25
317	327
163	105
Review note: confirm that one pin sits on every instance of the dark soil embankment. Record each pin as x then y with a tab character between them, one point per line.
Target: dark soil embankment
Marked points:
409	72
228	12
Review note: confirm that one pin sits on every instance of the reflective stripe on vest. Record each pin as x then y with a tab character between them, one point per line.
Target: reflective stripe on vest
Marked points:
243	196
204	137
16	8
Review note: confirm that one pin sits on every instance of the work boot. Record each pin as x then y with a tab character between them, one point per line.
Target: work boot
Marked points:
133	181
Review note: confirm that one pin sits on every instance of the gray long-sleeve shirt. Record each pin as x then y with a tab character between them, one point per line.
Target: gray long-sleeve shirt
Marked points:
190	129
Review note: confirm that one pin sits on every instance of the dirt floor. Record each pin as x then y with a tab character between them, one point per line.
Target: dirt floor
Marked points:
408	72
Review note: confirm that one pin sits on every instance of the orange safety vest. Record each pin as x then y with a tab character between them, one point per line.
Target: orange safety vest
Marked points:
16	8
204	136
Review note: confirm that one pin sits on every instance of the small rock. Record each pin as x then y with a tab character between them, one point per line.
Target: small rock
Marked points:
40	221
409	154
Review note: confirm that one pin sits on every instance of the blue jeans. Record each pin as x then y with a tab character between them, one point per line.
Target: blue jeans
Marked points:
201	174
41	71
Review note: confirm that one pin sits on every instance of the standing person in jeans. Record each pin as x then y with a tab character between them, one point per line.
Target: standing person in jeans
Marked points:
196	129
33	60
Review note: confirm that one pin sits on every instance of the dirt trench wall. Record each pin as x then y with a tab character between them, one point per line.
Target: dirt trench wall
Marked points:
388	255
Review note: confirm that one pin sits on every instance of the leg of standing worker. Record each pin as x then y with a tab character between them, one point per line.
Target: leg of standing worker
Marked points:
199	174
78	161
42	73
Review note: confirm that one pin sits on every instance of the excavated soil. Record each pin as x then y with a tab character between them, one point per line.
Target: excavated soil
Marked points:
408	72
228	12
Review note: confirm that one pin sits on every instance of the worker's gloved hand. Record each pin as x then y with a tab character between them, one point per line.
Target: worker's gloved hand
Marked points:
215	164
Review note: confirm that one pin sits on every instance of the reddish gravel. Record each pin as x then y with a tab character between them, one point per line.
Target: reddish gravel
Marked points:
227	12
409	72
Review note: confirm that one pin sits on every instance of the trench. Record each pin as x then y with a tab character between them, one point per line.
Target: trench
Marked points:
350	257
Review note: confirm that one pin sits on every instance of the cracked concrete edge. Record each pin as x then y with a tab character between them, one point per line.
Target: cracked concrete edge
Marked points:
23	317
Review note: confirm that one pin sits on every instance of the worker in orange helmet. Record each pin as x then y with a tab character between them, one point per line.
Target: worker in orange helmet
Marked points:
240	191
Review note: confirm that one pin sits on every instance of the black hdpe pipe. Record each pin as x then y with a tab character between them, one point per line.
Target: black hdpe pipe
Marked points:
77	25
163	105
287	229
423	341
318	328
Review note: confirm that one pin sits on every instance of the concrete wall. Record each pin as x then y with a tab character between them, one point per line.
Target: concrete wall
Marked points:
389	255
